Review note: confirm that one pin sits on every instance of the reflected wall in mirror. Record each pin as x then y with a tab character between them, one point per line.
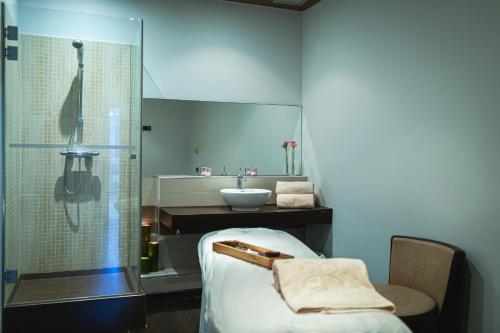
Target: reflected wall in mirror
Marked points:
187	135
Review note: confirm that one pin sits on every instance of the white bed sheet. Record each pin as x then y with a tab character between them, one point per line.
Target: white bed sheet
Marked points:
240	297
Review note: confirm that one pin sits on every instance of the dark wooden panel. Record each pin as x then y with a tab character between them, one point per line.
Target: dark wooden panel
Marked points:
308	4
148	213
205	219
174	301
269	3
175	312
92	315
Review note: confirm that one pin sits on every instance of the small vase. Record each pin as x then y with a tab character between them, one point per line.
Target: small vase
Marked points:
293	162
145	238
286	162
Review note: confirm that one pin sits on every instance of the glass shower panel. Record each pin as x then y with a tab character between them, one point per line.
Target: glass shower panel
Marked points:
72	156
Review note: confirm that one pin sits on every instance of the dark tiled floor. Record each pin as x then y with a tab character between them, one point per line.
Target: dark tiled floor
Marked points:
50	288
173	313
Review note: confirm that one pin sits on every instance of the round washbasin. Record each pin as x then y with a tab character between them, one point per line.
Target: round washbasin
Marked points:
246	200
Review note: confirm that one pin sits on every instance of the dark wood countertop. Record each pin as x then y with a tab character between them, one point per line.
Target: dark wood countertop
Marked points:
205	219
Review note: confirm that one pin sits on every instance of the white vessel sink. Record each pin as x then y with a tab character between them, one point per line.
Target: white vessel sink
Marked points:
245	200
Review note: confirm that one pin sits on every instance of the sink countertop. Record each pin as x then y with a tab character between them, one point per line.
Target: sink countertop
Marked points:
205	219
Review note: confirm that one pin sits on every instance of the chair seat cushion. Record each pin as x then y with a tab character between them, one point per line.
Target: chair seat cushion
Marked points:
408	301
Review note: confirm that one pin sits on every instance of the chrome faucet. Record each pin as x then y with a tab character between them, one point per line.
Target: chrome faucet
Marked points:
239	181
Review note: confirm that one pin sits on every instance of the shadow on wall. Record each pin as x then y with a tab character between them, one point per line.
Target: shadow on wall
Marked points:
465	298
69	112
89	188
79	186
319	236
475	282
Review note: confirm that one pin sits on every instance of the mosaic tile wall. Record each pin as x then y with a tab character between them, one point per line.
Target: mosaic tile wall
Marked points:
97	228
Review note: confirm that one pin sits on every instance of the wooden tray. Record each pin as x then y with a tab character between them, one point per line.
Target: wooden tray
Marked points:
250	253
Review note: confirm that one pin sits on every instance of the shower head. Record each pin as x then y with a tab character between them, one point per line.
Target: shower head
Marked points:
78	45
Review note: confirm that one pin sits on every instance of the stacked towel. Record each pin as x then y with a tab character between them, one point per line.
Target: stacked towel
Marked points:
327	286
295	194
295	200
294	187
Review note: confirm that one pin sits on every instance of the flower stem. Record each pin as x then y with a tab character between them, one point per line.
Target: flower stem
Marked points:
286	161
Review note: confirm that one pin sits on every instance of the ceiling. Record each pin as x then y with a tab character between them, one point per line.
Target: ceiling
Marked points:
299	5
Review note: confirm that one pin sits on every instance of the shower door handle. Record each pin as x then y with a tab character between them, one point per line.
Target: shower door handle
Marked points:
11	32
11	52
10	276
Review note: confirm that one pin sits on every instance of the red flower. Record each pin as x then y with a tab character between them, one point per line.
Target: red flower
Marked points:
293	144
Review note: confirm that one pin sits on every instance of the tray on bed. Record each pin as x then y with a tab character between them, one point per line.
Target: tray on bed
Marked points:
250	253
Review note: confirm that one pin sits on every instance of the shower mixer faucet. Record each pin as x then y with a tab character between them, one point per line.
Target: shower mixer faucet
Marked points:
239	181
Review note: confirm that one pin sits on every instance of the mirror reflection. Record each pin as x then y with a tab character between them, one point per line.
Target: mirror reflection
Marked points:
191	137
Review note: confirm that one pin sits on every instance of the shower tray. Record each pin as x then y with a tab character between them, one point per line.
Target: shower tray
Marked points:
69	299
50	287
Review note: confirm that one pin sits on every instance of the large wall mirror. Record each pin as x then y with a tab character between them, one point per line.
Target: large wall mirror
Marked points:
180	137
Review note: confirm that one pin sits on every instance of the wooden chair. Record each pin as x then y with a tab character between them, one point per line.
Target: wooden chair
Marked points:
425	284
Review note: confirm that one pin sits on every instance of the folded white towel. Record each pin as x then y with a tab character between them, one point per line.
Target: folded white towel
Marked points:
328	286
294	187
295	200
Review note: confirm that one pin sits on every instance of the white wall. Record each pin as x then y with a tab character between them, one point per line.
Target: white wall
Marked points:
208	49
401	100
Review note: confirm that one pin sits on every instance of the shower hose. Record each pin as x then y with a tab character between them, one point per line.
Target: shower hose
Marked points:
79	183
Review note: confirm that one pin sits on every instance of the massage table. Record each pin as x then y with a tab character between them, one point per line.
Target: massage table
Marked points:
239	297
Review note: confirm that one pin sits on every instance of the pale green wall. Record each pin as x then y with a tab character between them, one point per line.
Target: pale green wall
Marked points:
402	99
201	49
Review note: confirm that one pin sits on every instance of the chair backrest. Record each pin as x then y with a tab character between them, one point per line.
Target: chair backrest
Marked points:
432	267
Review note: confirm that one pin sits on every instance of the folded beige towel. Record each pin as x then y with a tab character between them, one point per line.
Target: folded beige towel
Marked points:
294	187
295	200
327	286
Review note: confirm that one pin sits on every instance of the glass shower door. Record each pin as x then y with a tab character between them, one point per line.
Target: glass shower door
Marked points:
72	116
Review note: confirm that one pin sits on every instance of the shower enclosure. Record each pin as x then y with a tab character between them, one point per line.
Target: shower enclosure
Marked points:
71	111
